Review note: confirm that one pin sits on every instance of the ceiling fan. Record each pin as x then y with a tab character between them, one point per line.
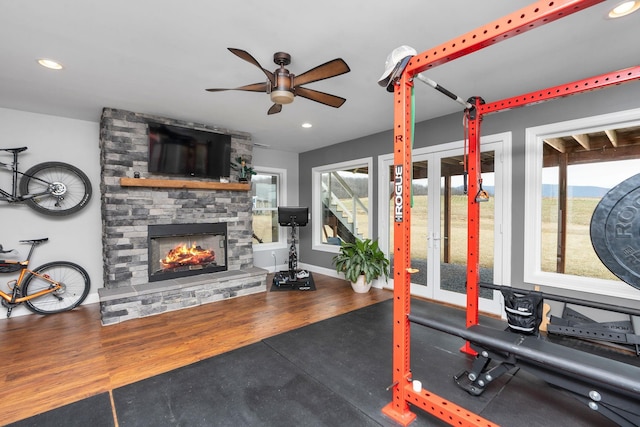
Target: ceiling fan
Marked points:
282	86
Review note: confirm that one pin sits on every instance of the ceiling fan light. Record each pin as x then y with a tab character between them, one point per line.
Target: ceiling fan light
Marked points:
281	97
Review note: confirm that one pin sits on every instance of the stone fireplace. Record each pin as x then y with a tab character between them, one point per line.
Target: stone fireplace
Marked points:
145	218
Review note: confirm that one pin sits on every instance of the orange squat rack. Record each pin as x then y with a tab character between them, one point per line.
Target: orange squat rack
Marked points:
532	16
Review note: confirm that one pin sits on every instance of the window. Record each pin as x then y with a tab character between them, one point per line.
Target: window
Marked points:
570	167
570	209
341	196
266	196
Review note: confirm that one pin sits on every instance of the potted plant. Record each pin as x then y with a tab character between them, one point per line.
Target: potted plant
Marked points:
244	171
361	262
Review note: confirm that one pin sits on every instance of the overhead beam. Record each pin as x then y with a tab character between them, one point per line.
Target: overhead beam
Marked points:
613	136
601	81
523	20
557	143
583	140
624	152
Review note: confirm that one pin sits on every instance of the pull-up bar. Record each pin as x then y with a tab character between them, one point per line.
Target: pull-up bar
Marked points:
439	88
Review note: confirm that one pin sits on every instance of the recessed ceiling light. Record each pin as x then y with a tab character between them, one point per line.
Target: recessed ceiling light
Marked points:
624	8
307	125
49	63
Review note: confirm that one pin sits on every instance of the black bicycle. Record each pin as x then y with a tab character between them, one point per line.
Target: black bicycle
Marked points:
51	188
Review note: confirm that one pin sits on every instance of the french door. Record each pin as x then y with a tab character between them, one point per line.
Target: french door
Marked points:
439	222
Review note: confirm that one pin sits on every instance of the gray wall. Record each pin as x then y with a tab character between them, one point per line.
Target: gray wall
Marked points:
448	129
72	238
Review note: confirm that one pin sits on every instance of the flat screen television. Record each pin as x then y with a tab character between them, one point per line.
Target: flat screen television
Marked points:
288	215
175	150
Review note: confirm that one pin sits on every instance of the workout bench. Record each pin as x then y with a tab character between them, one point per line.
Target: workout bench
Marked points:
607	386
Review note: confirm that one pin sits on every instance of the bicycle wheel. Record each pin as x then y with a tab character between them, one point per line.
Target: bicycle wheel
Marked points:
75	287
55	188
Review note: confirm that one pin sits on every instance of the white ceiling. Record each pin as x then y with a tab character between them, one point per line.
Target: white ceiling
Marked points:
159	56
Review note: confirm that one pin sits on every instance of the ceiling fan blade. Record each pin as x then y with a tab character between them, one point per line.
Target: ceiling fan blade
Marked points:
321	97
321	72
275	108
247	57
255	87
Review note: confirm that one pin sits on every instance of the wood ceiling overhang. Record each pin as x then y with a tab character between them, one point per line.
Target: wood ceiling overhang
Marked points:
593	147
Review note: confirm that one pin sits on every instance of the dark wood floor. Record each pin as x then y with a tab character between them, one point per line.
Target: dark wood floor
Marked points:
50	361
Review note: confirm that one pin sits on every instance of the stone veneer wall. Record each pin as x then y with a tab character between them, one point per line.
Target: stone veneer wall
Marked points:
127	211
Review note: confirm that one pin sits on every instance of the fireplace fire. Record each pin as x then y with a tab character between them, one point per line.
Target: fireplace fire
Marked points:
186	249
184	255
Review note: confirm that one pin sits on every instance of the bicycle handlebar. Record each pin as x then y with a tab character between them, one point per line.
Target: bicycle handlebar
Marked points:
2	251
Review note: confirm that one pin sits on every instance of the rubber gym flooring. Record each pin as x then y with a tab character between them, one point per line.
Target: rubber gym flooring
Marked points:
331	373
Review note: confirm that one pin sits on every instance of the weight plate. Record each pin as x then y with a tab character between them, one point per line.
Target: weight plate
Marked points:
615	230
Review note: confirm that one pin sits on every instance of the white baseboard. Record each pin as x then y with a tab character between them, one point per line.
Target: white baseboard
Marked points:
378	283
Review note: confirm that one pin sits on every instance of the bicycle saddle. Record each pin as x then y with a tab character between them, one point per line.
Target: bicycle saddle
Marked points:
36	241
14	150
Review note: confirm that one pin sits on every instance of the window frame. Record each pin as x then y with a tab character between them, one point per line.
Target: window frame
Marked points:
534	137
316	203
281	198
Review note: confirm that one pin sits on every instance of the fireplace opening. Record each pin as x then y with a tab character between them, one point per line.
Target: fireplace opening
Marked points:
179	250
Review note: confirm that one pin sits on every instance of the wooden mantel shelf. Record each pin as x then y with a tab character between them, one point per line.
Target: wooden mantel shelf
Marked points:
183	183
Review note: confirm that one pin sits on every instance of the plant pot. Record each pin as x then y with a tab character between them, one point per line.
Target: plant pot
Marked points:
360	286
243	180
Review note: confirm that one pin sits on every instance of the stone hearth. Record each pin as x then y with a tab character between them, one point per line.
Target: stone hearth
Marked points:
127	211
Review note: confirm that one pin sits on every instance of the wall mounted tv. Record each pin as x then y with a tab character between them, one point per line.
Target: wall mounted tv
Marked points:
175	150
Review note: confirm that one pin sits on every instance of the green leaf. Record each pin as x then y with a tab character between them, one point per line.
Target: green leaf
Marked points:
361	257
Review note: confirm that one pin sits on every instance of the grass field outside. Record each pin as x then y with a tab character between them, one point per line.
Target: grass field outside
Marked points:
263	224
581	259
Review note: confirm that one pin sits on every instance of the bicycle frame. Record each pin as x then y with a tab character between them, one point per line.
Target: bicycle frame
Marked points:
14	179
7	197
14	196
24	271
11	298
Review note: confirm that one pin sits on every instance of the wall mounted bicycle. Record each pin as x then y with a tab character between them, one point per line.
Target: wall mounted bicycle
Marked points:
51	188
51	288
